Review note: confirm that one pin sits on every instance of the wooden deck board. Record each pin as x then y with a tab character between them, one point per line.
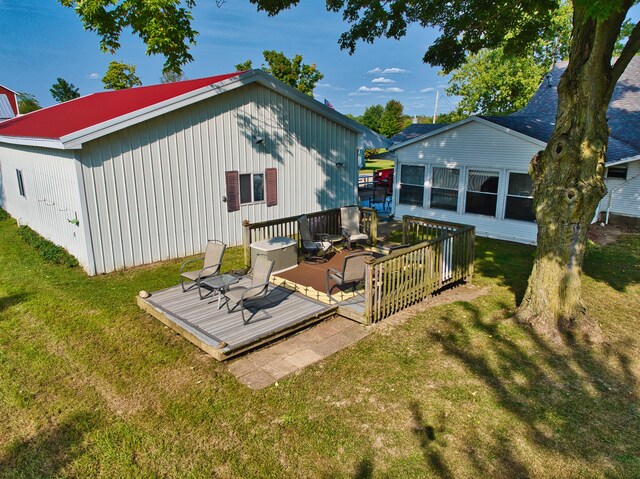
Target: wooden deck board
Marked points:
223	334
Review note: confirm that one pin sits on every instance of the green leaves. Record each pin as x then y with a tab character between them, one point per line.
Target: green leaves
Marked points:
163	25
62	91
120	76
288	70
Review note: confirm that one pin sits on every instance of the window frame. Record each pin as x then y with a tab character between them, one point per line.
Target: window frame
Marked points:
618	168
498	175
423	186
432	187
507	195
252	185
20	178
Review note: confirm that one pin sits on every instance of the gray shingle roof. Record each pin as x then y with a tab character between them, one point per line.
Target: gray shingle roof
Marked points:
537	119
414	130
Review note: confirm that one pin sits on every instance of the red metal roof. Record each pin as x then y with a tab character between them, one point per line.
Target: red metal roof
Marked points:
65	118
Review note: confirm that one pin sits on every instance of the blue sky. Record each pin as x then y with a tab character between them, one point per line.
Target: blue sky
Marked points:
43	40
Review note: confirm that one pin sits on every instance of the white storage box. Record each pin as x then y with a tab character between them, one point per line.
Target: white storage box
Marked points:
283	251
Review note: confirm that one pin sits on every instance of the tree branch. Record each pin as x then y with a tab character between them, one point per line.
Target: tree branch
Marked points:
628	52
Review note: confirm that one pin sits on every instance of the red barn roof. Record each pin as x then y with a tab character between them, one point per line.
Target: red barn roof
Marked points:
63	119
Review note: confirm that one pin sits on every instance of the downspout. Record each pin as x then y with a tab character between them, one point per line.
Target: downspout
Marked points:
606	218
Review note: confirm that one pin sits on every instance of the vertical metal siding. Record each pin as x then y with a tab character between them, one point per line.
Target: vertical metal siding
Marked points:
52	195
155	190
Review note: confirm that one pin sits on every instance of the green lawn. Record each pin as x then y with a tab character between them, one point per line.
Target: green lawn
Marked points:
92	387
372	165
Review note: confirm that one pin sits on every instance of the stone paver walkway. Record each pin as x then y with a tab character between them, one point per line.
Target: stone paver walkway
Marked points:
264	367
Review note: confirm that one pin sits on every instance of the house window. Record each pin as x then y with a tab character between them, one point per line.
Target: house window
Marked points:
411	185
251	188
20	183
617	172
482	192
520	198
444	189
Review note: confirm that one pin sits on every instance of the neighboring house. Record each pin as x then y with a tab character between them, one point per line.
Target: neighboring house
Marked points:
475	171
415	130
369	140
130	177
8	103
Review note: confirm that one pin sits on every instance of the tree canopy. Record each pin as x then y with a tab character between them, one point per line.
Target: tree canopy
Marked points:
392	121
288	70
27	103
163	25
120	76
169	76
62	91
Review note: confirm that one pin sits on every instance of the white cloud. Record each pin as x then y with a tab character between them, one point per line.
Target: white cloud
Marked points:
93	76
365	90
324	85
382	80
369	89
388	70
394	70
427	90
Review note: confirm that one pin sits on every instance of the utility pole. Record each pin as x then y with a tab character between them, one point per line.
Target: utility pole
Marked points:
435	110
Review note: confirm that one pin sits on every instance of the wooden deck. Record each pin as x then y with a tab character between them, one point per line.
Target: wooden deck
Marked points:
222	334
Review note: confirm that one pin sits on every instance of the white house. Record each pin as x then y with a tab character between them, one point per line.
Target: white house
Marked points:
130	177
475	171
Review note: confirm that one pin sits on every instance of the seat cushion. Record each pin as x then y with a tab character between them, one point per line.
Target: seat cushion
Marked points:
359	237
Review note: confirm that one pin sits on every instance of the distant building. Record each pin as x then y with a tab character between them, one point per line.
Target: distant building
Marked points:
8	103
475	171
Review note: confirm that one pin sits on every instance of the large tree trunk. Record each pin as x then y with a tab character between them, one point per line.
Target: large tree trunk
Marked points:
568	183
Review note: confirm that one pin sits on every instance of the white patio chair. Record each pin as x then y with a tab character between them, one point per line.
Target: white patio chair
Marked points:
350	217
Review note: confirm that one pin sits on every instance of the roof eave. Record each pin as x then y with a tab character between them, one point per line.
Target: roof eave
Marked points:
41	142
622	161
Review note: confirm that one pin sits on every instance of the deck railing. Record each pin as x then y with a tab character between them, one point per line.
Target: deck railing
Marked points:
327	221
444	255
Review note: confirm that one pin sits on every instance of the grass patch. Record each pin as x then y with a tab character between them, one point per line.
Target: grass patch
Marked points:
50	252
91	386
4	216
373	165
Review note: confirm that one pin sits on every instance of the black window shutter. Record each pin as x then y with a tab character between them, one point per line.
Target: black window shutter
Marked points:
233	191
271	180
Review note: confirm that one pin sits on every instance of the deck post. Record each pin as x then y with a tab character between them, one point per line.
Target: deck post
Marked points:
374	228
405	233
246	243
368	290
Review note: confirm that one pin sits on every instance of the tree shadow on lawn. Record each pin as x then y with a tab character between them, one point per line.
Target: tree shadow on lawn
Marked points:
7	301
617	264
48	452
577	403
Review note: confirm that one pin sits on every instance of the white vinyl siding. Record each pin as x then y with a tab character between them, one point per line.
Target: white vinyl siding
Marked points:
623	196
155	190
50	196
479	147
